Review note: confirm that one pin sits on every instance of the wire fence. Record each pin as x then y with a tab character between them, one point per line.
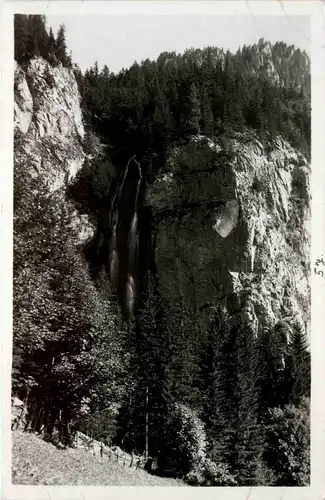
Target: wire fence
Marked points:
98	448
87	443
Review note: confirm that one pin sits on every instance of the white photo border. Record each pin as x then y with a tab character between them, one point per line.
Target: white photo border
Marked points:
314	9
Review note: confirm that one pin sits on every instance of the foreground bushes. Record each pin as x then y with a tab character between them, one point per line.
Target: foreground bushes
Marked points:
288	444
186	453
186	443
286	461
209	473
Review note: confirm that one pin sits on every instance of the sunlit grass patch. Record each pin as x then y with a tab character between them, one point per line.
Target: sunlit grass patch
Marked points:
36	462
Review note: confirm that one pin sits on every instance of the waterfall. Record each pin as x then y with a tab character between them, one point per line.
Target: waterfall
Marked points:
133	248
133	232
124	177
130	294
113	260
113	269
128	265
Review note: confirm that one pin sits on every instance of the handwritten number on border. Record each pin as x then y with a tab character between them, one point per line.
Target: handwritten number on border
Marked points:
319	262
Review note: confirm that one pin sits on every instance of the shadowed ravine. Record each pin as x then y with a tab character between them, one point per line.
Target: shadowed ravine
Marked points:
124	241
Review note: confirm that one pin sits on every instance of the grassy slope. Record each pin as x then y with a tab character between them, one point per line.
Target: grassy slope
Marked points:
36	462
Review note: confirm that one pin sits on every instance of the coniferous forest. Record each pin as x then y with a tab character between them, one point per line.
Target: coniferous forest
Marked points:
197	390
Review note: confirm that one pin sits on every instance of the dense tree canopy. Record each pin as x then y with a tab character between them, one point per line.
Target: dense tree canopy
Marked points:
262	86
33	40
68	342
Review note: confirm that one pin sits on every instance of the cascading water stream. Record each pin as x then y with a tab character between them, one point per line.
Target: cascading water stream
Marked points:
133	232
113	252
113	262
131	251
120	191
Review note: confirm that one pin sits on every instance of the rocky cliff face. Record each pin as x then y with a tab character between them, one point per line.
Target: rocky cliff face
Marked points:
232	224
49	130
230	215
283	65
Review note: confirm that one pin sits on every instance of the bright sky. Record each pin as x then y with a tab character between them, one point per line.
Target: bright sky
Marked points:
119	40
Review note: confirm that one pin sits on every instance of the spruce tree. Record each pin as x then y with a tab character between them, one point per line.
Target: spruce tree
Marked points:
248	444
155	350
272	347
233	104
41	35
231	397
219	379
184	346
145	410
298	367
21	38
207	115
51	47
193	112
33	42
61	46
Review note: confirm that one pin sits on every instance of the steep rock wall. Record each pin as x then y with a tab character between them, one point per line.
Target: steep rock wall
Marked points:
231	216
49	131
232	224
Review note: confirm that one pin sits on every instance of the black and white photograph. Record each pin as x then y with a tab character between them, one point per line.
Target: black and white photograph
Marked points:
162	207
